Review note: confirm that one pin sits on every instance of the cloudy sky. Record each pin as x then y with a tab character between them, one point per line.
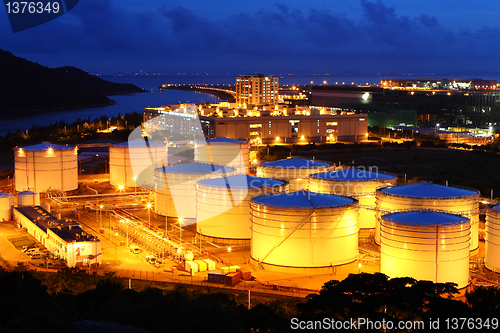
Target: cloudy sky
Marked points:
317	36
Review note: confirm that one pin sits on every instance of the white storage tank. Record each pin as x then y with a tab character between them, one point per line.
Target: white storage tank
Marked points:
358	183
426	195
295	170
425	245
175	187
28	198
223	206
304	230
6	203
46	166
492	239
132	163
224	151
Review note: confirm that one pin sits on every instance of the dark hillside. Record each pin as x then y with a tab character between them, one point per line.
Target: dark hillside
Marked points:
95	83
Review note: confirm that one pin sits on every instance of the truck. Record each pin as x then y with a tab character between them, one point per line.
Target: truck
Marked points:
135	249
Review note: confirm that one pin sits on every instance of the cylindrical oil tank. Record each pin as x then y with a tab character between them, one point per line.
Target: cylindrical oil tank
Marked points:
6	202
426	195
175	187
295	170
223	205
492	239
304	230
132	163
28	198
357	183
224	151
46	166
425	245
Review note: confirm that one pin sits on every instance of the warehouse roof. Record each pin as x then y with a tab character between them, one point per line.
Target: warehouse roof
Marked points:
295	163
425	218
241	181
45	146
429	190
353	174
138	144
303	200
224	140
195	168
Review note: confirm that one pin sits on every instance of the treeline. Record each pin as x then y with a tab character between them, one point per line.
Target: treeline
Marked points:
63	132
33	301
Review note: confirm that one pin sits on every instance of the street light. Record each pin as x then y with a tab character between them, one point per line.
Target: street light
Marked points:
100	217
149	214
229	258
116	234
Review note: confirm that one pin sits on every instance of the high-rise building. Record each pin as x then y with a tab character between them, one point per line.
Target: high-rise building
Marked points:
256	89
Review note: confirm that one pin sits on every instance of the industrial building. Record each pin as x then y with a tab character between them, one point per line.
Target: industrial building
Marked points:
439	83
425	245
260	125
425	195
256	89
224	151
294	170
303	230
46	166
223	206
132	163
65	240
358	183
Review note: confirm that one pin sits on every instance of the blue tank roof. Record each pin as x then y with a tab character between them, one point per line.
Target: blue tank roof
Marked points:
195	168
27	193
295	163
5	195
303	200
352	174
496	208
429	190
241	181
223	139
138	144
425	218
45	146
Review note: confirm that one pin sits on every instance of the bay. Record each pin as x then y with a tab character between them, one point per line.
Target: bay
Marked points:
155	97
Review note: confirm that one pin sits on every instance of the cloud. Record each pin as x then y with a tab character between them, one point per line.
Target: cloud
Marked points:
372	37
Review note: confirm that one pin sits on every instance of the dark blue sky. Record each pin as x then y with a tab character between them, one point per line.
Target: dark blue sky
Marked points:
236	36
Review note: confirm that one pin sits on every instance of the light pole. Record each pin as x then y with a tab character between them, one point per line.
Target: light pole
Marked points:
100	217
116	234
229	258
149	215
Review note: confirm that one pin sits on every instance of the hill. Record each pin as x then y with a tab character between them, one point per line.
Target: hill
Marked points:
95	83
28	88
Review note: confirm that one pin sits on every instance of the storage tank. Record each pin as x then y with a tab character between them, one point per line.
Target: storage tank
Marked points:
426	195
295	170
223	206
6	203
303	230
132	163
224	151
492	239
357	183
175	187
425	245
28	198
46	166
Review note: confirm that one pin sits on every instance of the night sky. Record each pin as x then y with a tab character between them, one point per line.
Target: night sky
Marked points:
236	36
